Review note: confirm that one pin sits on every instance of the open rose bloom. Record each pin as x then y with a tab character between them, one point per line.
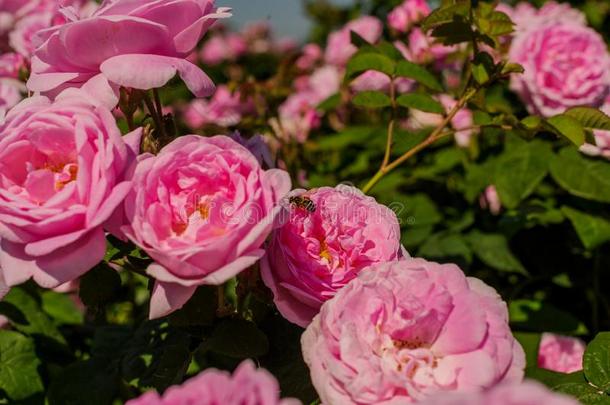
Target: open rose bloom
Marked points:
201	209
247	386
403	331
316	253
561	353
63	172
132	43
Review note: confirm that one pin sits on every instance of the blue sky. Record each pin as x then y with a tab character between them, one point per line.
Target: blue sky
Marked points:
286	16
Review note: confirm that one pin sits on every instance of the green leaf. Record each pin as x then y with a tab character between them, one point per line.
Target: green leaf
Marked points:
18	366
581	176
443	246
585	393
420	101
536	316
596	361
592	230
34	320
553	379
532	122
454	32
330	103
99	286
589	117
348	137
61	308
93	379
569	127
493	250
519	170
238	338
200	309
512	68
362	62
444	15
418	73
372	99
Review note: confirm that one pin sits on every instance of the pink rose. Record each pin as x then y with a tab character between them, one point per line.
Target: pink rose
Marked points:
491	200
318	251
408	13
404	330
339	47
11	93
132	43
21	37
11	65
224	109
527	393
247	386
526	16
201	209
566	65
222	48
422	49
560	353
602	139
311	54
63	169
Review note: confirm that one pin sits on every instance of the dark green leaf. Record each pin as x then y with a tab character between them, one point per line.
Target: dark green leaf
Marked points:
90	382
493	250
418	73
443	246
582	176
539	316
199	310
18	366
362	62
596	361
553	379
585	393
99	286
589	117
591	229
330	103
568	127
520	169
422	102
372	99
238	338
444	15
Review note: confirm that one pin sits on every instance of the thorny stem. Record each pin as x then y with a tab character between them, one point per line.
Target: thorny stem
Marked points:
434	136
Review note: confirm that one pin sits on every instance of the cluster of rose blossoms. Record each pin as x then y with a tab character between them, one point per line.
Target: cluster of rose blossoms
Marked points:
382	327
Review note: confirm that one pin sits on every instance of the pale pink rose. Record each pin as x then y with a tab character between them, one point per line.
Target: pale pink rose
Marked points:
405	330
566	65
408	13
222	48
423	49
247	386
372	80
131	43
602	139
11	65
11	93
526	16
201	209
311	54
526	393
224	109
561	353
491	200
339	47
315	253
63	173
323	83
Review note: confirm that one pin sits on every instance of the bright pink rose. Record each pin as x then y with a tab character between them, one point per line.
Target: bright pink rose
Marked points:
602	139
491	200
315	253
222	48
11	65
311	54
132	43
11	93
408	13
339	47
247	386
560	353
527	393
201	209
63	168
224	109
404	330
566	65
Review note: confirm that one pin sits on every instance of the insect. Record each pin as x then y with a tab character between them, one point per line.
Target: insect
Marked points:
303	202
